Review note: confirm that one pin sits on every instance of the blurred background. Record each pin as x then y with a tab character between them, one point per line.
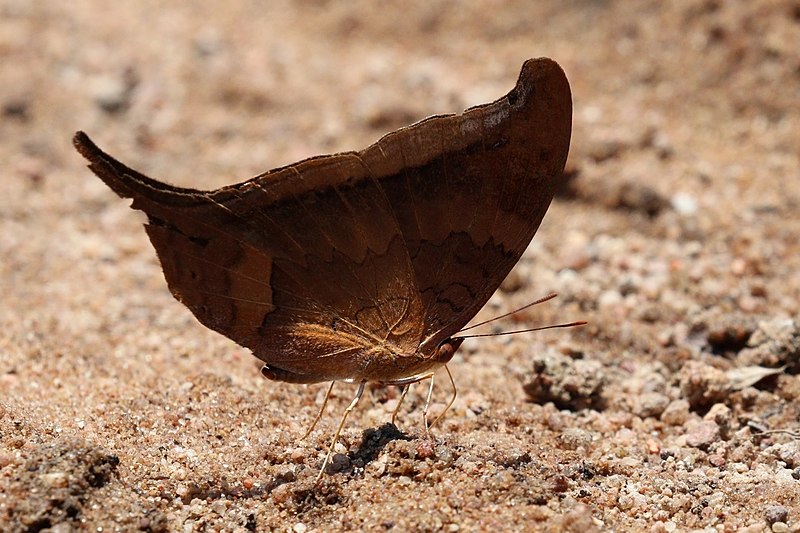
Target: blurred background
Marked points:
676	237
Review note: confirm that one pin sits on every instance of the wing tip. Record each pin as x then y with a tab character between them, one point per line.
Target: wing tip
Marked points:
543	70
112	172
85	146
123	180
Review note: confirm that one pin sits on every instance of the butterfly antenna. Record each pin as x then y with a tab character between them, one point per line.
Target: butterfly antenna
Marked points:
540	328
537	302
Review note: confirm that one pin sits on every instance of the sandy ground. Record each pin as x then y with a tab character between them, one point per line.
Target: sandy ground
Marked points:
677	239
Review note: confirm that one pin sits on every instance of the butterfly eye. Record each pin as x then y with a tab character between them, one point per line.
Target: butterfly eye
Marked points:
268	373
447	349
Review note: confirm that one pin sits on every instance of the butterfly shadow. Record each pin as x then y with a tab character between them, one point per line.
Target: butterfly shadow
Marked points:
373	441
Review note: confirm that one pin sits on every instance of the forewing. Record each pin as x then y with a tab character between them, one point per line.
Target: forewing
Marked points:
469	191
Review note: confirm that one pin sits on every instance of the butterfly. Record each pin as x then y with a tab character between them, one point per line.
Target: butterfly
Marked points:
363	266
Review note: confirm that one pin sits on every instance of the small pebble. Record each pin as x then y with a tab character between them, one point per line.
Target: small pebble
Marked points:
676	413
653	446
574	438
377	468
219	507
445	455
776	513
113	93
55	479
513	282
426	449
703	435
297	455
719	414
703	385
282	494
559	483
684	204
774	343
339	462
650	404
569	384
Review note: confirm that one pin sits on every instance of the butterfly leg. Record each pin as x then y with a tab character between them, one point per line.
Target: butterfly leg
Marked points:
400	401
321	410
452	398
425	409
339	429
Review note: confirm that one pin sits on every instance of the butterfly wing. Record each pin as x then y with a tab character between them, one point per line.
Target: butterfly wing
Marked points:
292	265
470	190
357	265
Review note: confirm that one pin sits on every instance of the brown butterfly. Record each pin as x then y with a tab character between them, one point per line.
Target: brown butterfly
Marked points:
362	266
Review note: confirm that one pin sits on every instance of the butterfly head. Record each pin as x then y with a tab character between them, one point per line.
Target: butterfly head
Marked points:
447	349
